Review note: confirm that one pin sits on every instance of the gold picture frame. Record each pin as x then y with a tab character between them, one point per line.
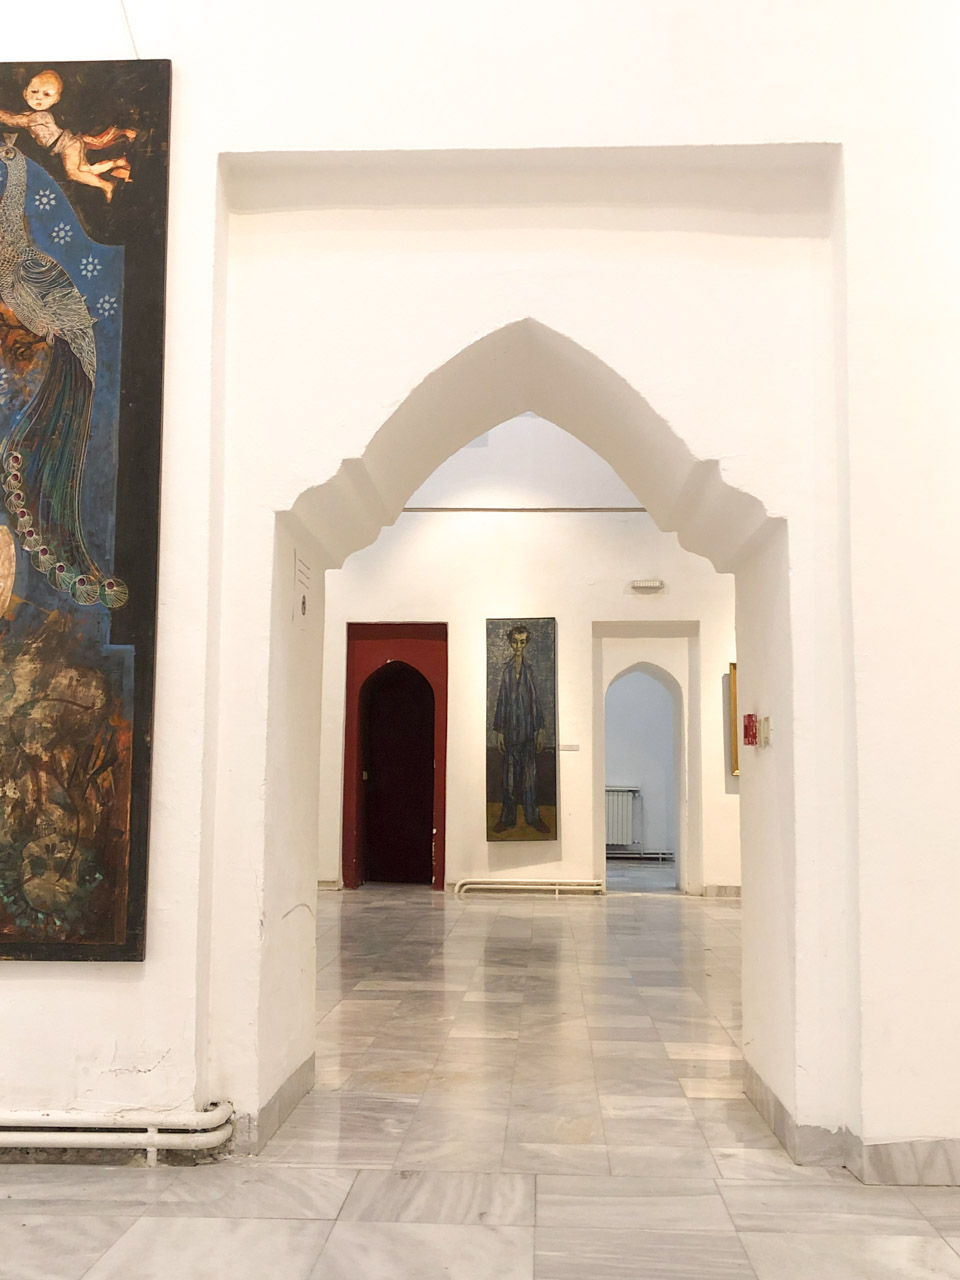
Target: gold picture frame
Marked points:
734	736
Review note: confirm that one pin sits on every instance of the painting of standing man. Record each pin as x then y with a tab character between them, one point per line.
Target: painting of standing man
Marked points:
521	729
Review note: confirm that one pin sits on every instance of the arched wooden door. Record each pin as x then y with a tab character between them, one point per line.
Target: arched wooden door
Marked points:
387	715
396	776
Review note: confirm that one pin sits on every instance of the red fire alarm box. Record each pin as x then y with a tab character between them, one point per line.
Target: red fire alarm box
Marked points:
750	731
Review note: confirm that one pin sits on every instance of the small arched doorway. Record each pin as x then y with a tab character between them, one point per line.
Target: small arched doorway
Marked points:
643	780
397	763
395	731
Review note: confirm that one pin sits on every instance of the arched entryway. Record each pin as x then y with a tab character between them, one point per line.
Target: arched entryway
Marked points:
527	366
395	754
645	778
396	716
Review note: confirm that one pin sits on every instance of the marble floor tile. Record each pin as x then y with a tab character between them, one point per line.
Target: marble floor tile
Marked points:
619	1021
414	1251
634	1050
450	1153
351	1013
732	1123
631	1107
784	1256
584	1253
818	1208
435	1122
690	1050
430	1037
568	1075
243	1189
328	1121
662	1162
348	1043
400	1081
419	1058
555	1158
708	1068
939	1205
69	1189
451	1093
768	1164
346	1115
212	1249
640	1077
473	1077
557	1126
663	1204
394	983
630	1035
353	1104
352	1153
483	1028
565	1096
54	1247
649	1122
588	970
494	1199
624	1132
481	1052
332	1078
707	1087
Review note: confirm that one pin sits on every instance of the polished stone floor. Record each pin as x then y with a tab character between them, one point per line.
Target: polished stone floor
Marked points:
629	875
507	1089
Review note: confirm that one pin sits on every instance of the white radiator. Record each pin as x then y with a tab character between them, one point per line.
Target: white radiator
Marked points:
624	818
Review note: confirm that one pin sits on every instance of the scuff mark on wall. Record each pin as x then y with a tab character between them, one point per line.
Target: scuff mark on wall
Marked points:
136	1071
295	906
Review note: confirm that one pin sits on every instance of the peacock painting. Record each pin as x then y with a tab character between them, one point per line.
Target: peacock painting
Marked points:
83	178
43	457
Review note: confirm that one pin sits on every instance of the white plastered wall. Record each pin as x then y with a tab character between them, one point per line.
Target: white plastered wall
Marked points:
868	466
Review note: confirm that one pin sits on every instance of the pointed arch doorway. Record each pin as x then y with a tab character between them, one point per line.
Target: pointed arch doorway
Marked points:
395	744
525	365
645	754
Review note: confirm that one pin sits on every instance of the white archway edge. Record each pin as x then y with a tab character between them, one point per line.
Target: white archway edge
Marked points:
527	366
521	366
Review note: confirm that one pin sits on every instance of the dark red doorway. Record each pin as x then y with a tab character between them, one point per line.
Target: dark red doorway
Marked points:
388	728
396	792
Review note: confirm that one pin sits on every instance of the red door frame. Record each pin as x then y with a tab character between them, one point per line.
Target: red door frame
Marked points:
423	646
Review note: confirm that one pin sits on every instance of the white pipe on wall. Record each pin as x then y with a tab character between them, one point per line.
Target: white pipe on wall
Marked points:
531	886
145	1139
211	1118
150	1131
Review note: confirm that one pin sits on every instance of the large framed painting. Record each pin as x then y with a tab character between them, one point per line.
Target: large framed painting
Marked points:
521	729
83	207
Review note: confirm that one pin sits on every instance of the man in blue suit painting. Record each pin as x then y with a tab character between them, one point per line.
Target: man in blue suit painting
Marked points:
519	725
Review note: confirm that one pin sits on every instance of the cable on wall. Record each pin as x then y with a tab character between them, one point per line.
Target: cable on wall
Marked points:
126	18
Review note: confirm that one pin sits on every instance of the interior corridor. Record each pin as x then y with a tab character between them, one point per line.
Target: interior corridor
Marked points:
507	1089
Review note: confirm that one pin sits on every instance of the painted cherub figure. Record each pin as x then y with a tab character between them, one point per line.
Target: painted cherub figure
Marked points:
41	94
